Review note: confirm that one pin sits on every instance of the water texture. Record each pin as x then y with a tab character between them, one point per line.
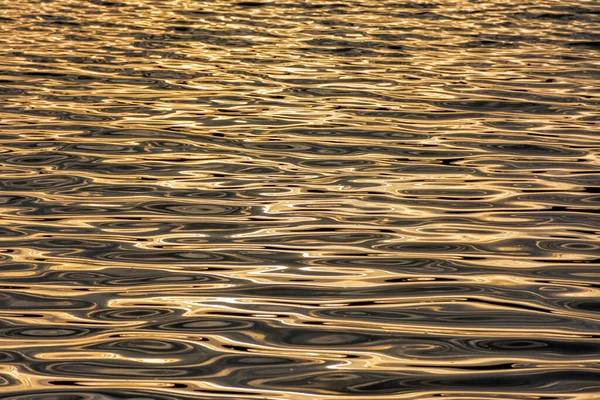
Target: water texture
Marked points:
299	199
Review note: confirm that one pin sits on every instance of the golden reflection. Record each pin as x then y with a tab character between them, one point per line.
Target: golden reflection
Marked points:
299	200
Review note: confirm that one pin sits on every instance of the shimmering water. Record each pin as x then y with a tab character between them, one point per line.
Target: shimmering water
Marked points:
299	199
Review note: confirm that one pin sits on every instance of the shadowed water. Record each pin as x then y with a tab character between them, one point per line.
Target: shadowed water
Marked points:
299	199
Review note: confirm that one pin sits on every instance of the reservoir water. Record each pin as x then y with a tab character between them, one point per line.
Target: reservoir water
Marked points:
299	199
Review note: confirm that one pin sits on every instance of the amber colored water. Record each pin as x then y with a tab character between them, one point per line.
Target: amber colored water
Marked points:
299	199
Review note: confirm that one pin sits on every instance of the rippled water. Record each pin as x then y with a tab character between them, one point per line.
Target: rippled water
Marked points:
299	199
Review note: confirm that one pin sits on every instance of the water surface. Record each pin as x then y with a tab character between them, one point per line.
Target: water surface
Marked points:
299	199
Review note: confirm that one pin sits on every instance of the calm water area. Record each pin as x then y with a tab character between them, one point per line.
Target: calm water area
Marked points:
299	199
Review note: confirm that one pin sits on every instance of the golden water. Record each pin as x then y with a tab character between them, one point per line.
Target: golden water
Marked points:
299	199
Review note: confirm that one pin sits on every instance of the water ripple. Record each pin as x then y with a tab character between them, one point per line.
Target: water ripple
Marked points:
299	200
